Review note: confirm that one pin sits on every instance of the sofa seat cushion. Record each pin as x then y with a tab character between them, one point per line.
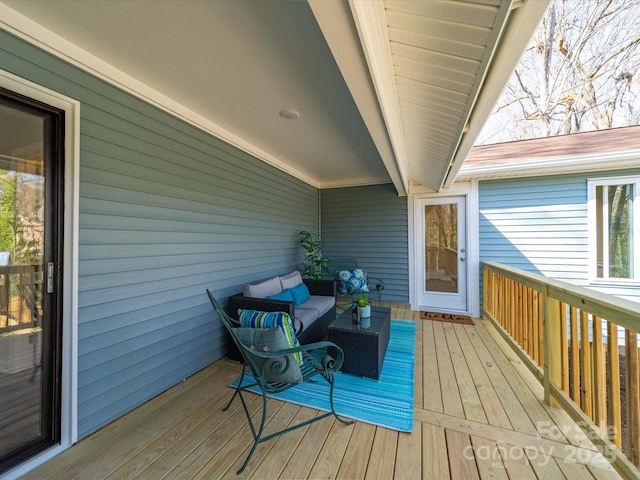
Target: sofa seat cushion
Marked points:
317	304
306	318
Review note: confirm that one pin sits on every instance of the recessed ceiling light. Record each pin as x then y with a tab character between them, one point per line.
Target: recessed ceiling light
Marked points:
289	113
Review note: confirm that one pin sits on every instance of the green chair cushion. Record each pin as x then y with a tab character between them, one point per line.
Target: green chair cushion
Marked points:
283	369
260	319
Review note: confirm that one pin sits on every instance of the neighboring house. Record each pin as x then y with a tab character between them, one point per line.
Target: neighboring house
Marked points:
546	205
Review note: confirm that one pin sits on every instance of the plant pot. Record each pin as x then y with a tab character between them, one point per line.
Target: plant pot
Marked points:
365	312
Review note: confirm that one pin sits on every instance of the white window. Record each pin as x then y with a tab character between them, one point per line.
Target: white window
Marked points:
614	222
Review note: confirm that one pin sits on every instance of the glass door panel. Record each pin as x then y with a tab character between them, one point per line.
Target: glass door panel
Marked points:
29	339
440	226
441	240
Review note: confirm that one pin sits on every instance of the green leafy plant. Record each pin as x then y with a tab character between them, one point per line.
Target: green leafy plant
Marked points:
363	300
315	266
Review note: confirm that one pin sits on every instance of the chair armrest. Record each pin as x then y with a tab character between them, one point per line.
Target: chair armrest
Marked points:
326	288
262	304
379	282
328	362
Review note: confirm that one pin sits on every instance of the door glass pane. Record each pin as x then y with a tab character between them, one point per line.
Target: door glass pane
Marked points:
441	244
22	141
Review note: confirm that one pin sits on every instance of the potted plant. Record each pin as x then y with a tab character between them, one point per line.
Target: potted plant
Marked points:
315	266
363	306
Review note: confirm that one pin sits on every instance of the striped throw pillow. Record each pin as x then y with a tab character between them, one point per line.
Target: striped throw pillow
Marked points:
259	319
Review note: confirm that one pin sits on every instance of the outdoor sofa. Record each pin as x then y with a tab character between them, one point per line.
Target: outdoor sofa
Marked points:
311	317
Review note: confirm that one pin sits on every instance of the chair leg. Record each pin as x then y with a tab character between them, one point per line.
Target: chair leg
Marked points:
333	410
237	389
256	436
379	296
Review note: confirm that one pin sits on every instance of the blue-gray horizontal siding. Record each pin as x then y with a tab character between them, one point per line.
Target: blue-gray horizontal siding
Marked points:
540	225
166	211
369	224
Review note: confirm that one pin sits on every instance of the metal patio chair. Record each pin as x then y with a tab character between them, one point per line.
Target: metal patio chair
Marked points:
373	284
272	372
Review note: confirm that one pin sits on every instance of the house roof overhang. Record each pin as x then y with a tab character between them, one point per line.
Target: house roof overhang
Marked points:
387	90
603	150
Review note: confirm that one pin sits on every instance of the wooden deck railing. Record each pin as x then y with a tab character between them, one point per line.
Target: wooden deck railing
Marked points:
582	345
20	297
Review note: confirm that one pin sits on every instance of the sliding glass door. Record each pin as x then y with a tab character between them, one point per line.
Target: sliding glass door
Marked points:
31	166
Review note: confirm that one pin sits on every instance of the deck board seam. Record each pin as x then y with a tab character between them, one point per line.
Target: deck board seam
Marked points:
516	439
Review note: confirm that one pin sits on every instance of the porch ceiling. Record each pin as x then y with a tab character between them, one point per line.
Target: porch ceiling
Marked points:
387	90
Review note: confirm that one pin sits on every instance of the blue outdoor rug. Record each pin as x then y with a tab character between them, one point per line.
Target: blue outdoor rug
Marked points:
387	402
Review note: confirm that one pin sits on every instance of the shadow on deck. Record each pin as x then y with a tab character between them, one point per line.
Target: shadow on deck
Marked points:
479	414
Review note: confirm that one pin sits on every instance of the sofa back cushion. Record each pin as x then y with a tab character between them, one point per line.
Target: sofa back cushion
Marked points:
263	289
290	280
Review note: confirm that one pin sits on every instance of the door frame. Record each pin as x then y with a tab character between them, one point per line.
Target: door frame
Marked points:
69	298
469	190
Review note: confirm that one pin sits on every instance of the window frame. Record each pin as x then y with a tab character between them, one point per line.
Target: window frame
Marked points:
593	226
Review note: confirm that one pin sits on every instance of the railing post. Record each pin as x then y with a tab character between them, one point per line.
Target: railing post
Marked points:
488	290
551	326
633	394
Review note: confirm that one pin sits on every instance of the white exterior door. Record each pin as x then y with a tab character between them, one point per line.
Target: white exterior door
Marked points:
441	254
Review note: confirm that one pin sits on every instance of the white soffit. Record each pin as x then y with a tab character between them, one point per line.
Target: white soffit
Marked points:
428	61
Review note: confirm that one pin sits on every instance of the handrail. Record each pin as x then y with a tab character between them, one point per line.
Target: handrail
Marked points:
557	330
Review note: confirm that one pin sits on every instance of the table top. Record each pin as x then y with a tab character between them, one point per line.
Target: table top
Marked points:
379	316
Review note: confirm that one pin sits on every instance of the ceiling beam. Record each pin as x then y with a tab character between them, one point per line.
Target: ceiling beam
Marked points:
337	25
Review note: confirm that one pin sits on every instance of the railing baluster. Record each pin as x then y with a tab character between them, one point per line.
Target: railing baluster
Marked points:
564	345
575	355
535	337
539	312
585	366
530	321
632	392
613	385
599	377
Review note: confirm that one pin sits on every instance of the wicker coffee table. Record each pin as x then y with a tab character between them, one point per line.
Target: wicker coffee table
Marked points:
364	345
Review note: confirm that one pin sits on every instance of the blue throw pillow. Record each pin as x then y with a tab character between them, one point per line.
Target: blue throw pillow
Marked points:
352	281
300	294
259	319
286	296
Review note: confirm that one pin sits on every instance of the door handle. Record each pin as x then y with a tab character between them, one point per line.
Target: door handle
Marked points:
50	277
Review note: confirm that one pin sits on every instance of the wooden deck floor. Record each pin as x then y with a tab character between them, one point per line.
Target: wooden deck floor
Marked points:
478	415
